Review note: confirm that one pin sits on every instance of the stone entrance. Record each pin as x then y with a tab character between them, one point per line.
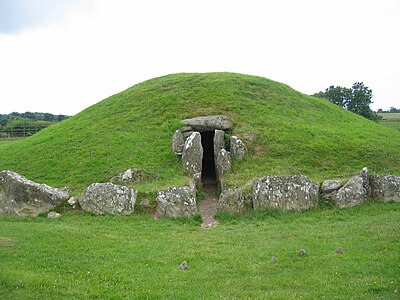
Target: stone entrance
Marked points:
202	144
208	174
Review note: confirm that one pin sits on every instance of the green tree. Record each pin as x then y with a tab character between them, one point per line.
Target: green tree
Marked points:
356	99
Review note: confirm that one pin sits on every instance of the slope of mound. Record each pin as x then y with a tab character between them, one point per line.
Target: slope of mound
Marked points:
286	133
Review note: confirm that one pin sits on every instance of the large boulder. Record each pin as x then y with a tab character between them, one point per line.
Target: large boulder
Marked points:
192	156
232	201
237	148
176	202
285	193
385	188
22	197
354	192
108	198
208	123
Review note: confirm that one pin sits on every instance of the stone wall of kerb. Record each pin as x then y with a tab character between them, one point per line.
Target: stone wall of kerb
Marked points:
300	193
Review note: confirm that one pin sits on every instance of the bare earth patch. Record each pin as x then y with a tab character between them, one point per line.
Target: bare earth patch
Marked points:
208	206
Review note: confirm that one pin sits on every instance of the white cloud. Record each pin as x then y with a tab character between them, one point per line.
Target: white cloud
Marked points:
102	47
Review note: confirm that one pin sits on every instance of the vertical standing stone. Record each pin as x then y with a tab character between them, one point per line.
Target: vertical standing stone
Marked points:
178	142
385	188
192	156
219	142
222	163
238	148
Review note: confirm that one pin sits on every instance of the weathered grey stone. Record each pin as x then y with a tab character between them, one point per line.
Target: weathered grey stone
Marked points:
186	134
108	198
208	123
237	148
177	202
219	142
385	188
53	215
232	201
329	186
339	250
22	197
222	163
352	193
192	156
184	266
177	142
285	193
72	201
365	176
302	252
131	175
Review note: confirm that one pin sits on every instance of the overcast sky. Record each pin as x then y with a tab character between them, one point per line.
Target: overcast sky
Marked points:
61	56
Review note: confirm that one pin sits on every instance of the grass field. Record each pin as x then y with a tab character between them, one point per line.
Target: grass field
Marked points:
391	120
80	256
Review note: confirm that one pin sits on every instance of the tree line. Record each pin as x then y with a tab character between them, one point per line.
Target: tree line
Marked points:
356	99
27	123
391	110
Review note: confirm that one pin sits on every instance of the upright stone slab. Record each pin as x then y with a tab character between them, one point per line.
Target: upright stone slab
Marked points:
237	148
285	193
108	198
219	142
222	163
352	193
177	202
385	188
20	196
192	156
365	177
178	142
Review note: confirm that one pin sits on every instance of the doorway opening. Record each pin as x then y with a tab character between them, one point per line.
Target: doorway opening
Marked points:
208	174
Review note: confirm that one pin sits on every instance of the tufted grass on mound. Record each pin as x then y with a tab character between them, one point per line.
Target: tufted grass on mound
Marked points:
80	256
286	132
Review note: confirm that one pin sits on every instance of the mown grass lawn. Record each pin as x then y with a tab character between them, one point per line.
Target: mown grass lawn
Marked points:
88	257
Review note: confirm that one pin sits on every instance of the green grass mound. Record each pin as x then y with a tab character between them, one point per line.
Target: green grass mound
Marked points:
286	133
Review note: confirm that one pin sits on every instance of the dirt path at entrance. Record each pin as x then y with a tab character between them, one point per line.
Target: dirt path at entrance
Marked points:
208	206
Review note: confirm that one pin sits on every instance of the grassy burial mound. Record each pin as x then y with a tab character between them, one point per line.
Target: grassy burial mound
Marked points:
286	133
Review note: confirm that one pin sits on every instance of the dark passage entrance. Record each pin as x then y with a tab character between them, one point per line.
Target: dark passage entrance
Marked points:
208	171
